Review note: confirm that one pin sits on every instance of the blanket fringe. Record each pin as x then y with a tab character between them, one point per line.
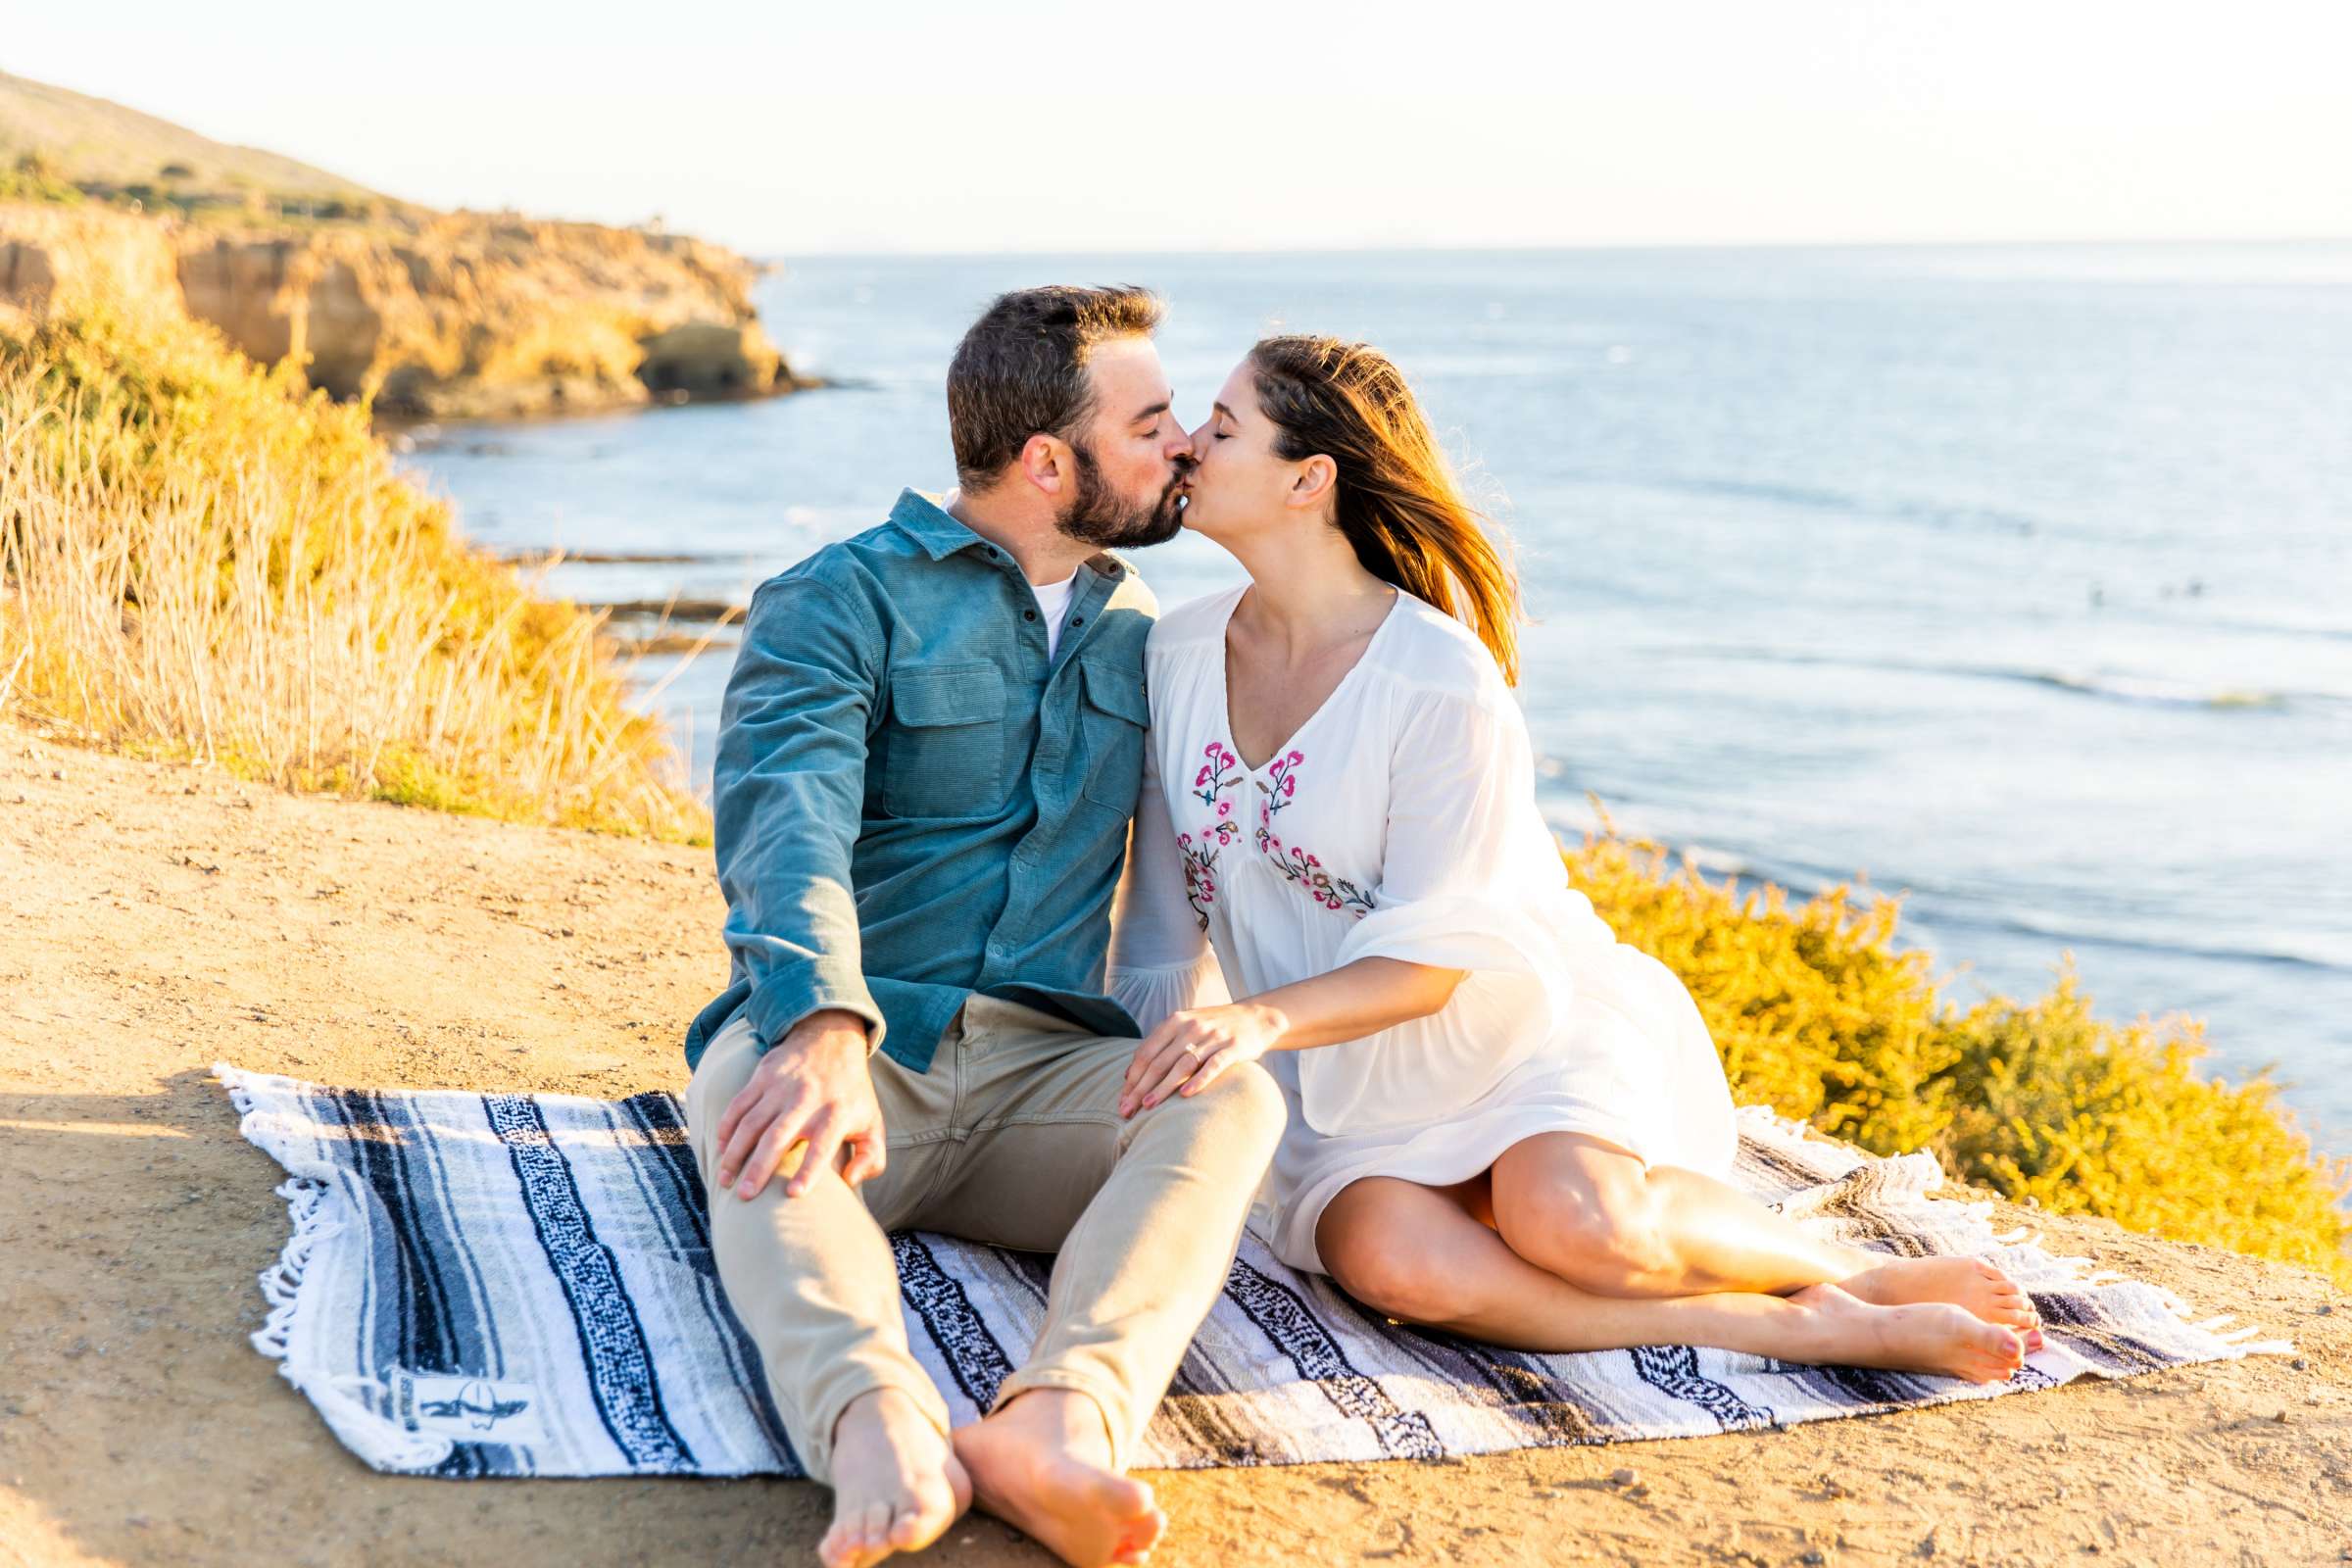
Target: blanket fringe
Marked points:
2023	1241
314	1214
281	1282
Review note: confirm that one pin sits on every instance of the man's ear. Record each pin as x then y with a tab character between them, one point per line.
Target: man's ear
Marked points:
1047	462
1314	483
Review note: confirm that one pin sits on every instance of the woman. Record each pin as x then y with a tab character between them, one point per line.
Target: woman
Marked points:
1505	1123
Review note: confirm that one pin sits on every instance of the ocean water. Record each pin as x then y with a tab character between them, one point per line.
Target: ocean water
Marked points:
2016	580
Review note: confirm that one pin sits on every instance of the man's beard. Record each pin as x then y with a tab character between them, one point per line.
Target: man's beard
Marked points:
1095	517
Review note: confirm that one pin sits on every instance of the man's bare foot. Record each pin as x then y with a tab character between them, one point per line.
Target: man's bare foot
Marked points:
1972	1283
896	1484
1932	1337
1041	1464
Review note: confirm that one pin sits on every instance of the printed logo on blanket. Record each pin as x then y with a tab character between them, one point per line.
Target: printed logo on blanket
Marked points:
475	1409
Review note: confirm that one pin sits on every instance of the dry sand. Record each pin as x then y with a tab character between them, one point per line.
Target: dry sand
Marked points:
156	918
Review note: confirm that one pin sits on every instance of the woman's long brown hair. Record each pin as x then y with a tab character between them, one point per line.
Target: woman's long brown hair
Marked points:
1398	504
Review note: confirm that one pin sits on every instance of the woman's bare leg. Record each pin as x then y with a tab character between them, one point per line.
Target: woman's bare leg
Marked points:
1417	1253
1594	1214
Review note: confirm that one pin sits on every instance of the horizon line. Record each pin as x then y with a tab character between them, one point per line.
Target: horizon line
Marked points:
1586	247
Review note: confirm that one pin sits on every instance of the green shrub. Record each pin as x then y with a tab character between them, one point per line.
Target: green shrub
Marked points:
34	177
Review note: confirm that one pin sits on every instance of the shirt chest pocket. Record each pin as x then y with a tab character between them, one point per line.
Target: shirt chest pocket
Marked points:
1111	720
944	751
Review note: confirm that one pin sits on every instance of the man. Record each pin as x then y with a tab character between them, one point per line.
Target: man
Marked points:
929	750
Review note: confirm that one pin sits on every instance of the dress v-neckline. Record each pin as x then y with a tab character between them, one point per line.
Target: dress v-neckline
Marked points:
1225	696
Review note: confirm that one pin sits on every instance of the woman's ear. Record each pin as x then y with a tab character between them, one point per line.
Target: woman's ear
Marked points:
1317	478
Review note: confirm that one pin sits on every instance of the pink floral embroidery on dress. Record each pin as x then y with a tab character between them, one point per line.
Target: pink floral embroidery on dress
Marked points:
1331	892
1284	785
1201	866
1293	860
1221	770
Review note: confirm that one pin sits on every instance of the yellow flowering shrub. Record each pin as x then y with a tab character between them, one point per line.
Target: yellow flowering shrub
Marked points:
1820	1017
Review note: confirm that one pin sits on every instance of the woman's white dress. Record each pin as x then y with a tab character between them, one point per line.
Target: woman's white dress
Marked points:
1399	821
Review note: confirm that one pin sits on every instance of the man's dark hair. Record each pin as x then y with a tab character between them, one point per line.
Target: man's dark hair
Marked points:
1021	369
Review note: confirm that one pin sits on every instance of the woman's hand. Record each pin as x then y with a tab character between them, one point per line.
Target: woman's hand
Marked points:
1193	1047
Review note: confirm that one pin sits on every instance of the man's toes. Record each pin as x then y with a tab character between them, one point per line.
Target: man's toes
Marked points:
878	1527
921	1517
859	1539
1139	1538
844	1545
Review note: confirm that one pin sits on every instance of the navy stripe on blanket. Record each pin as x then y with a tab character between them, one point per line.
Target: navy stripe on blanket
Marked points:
620	1372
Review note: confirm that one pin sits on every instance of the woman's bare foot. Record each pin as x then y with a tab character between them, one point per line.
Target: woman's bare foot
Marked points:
896	1484
1972	1283
1926	1337
1040	1465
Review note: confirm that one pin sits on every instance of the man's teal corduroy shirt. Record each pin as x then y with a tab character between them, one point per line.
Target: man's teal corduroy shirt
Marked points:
911	801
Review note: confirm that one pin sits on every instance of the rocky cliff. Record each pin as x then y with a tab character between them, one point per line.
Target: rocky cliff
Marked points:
455	314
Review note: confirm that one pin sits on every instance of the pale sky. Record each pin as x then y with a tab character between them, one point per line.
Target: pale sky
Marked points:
1048	126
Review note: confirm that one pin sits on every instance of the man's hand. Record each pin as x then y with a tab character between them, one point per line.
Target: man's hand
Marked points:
811	1086
1194	1047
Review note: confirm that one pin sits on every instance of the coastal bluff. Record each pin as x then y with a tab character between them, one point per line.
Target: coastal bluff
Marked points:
160	916
434	314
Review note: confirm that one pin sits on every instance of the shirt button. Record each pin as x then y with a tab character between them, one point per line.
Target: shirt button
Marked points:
1028	615
1077	620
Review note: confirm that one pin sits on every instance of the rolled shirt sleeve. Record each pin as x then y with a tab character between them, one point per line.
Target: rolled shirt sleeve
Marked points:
788	788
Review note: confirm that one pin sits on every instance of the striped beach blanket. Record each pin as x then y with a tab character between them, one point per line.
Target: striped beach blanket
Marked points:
512	1285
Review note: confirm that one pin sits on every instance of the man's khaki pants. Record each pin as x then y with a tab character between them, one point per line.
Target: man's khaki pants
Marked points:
1013	1138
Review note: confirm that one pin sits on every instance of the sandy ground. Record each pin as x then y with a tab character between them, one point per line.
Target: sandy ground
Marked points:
155	919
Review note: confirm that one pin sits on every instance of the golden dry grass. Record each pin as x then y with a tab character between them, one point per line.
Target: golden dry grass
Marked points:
198	557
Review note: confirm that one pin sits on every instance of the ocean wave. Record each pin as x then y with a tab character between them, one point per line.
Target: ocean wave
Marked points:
2155	692
1935	907
2139	690
1929	909
2056	927
1931	514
